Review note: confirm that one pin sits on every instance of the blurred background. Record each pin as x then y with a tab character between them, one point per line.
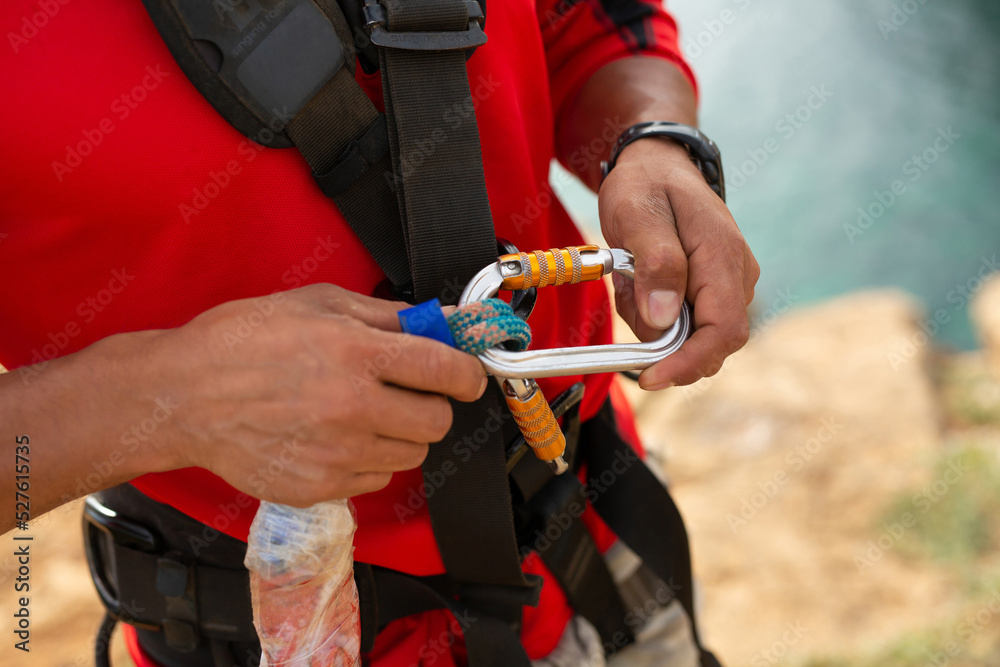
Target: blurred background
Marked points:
840	476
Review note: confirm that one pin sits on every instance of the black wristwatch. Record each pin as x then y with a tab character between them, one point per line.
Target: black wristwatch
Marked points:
703	151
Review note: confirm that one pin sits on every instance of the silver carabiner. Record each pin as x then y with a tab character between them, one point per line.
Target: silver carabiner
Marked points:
566	266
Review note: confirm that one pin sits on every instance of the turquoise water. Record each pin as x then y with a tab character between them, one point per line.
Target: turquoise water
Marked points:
900	92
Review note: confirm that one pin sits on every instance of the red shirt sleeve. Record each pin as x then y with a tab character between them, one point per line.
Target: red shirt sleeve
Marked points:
581	36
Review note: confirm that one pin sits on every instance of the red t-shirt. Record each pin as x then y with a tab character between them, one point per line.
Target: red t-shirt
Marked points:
127	203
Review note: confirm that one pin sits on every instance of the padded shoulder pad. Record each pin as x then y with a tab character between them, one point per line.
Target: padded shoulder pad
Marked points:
258	62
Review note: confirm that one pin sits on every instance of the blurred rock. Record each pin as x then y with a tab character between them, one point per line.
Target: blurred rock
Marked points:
782	464
985	314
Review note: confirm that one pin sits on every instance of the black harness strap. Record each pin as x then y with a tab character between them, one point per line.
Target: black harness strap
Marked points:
575	561
490	641
434	138
442	197
343	137
638	508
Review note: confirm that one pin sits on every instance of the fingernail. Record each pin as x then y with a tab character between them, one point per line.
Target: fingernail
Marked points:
664	308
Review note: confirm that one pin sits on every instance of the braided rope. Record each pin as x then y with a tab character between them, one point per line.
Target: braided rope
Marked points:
478	326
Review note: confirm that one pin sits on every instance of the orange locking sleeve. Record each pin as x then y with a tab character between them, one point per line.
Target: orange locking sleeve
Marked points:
557	266
538	425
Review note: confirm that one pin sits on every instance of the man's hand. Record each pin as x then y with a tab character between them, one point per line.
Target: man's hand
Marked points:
656	204
297	397
330	373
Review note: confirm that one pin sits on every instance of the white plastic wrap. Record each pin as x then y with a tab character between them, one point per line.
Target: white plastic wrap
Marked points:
305	603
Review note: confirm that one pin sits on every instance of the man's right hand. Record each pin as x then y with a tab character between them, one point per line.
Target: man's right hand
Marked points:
297	397
324	388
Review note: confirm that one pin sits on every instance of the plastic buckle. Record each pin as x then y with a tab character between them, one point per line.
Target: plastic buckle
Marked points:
451	40
103	529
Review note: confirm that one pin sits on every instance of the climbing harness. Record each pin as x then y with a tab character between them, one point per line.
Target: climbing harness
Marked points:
282	73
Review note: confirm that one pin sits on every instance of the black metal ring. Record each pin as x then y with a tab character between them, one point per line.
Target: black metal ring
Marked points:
521	301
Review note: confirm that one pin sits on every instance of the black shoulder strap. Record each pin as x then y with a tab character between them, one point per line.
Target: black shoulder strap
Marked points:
435	142
657	533
441	192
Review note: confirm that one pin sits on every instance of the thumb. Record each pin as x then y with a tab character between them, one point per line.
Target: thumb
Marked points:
660	274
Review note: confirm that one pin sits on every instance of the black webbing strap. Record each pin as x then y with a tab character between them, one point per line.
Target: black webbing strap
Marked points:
471	511
490	641
638	508
436	154
567	548
442	197
343	137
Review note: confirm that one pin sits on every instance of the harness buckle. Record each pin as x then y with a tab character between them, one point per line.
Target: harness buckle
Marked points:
450	40
103	528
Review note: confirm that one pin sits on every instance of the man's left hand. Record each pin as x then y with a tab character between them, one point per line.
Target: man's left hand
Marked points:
656	204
